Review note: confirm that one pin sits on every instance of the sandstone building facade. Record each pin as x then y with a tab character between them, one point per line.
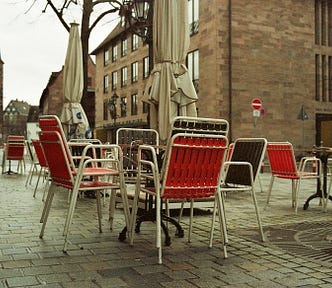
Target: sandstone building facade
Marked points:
1	102
277	51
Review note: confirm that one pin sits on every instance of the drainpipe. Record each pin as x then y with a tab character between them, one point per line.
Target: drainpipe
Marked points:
230	87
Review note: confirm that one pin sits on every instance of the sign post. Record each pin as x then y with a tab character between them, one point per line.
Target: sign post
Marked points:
256	105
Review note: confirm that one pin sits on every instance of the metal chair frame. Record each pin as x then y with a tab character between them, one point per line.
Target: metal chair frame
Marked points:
192	170
108	175
283	165
14	151
242	169
43	167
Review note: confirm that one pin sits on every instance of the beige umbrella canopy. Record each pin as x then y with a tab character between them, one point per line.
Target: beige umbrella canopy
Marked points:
170	88
73	117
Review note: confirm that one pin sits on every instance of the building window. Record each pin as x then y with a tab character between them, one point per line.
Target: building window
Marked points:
323	78
324	75
329	20
124	76
114	52
114	80
193	16
146	67
106	82
323	38
193	68
106	57
105	111
123	105
134	42
317	77
124	47
323	22
134	104
134	72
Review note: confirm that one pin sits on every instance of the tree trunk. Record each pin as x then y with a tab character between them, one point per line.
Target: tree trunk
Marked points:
85	33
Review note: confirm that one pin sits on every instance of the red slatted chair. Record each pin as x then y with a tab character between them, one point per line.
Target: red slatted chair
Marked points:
43	168
198	125
283	165
192	170
109	175
15	152
53	123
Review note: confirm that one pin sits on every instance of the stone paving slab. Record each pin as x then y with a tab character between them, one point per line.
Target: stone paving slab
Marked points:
99	260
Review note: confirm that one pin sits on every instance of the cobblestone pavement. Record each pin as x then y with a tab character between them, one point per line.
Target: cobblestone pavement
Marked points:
99	260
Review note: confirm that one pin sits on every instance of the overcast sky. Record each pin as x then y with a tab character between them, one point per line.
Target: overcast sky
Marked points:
33	45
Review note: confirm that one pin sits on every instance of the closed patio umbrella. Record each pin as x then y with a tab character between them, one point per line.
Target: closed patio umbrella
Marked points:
170	88
73	117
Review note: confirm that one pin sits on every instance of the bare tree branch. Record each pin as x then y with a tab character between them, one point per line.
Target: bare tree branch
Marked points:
59	14
30	7
102	15
107	1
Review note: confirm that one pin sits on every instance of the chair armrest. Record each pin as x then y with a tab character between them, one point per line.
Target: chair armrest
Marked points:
229	164
148	168
305	161
114	156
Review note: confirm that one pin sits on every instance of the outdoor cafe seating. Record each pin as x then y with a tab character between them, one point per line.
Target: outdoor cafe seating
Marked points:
283	165
14	150
130	139
92	174
191	170
242	169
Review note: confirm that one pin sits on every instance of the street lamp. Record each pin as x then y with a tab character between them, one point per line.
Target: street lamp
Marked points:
138	15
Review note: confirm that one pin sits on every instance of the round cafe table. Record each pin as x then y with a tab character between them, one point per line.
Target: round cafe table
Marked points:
323	153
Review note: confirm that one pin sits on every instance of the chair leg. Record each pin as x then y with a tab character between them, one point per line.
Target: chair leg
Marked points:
257	215
70	214
191	219
46	210
297	189
167	211
125	201
98	200
270	190
111	208
222	222
71	208
181	211
28	180
46	185
47	201
134	213
213	223
34	192
260	183
158	223
294	183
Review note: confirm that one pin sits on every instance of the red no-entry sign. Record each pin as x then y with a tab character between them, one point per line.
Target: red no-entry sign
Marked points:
256	104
